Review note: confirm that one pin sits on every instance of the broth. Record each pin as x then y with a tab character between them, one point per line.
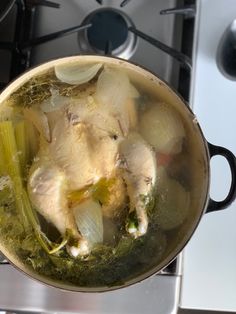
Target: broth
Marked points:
113	159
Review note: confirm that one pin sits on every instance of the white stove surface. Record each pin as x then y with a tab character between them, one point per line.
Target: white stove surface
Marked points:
209	268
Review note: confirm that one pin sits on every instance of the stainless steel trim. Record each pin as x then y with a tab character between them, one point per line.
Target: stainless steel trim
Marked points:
159	294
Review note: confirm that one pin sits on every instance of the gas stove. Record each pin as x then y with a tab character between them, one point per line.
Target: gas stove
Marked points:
149	33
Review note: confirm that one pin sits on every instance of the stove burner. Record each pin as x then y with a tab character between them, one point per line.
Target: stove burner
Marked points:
107	26
108	34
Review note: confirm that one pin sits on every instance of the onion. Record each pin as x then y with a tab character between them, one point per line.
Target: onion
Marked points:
75	74
173	201
39	120
88	217
163	129
54	102
113	90
113	87
133	91
132	113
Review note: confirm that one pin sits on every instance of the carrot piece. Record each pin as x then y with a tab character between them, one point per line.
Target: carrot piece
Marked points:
163	159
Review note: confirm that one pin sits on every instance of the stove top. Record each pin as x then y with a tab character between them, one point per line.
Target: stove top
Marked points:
36	31
99	38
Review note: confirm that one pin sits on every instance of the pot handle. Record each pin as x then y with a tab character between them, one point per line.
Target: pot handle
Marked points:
218	205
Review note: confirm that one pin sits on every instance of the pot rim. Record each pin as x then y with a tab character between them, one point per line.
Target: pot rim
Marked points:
23	78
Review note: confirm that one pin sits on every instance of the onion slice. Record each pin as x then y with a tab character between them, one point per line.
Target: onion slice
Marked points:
55	102
173	201
88	217
162	127
39	120
113	91
134	93
76	74
113	88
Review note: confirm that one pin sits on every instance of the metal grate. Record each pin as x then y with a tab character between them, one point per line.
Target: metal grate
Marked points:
20	60
21	45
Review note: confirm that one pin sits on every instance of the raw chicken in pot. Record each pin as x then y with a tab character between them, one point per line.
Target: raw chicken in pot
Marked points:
91	138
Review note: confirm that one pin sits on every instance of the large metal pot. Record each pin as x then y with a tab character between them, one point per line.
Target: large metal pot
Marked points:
201	202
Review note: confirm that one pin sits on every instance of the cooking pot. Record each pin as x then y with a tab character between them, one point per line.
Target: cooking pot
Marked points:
201	202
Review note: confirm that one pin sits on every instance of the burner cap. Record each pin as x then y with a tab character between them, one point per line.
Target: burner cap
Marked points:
107	26
108	34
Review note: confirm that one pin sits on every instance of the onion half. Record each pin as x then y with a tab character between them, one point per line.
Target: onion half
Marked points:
39	120
173	201
88	217
134	93
113	91
75	74
113	88
162	127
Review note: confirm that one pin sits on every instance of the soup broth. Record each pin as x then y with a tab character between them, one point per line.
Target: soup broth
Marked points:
101	175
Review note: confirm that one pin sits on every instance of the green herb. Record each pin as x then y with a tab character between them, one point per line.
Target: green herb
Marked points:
132	221
105	266
38	89
34	91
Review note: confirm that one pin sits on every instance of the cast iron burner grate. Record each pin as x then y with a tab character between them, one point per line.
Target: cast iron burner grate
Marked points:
21	45
118	35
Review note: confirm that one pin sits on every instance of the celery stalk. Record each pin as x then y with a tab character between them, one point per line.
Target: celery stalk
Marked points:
21	143
27	213
12	164
2	162
10	149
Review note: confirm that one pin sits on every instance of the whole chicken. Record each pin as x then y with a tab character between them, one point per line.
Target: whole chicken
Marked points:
91	137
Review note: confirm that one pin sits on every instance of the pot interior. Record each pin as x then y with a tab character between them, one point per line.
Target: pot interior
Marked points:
179	194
